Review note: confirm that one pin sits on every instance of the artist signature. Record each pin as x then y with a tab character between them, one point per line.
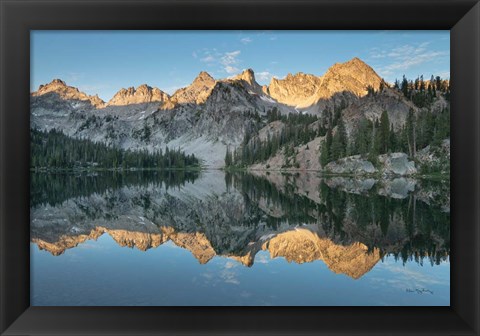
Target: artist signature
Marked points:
419	291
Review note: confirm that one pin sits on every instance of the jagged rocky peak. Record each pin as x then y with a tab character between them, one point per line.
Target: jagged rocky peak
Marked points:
305	90
353	76
195	93
140	95
54	83
299	245
204	77
248	76
67	92
97	101
295	89
303	245
301	77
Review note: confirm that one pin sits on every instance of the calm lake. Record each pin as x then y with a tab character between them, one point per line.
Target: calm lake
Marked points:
213	238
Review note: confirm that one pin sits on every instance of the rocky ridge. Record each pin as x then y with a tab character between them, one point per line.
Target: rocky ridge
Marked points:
195	93
66	92
139	95
347	81
295	90
209	116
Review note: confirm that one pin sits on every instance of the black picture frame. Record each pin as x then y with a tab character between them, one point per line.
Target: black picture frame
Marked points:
18	17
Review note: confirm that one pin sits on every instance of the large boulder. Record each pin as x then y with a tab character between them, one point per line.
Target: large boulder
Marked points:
350	165
396	164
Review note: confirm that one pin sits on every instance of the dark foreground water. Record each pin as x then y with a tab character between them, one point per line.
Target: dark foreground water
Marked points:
209	238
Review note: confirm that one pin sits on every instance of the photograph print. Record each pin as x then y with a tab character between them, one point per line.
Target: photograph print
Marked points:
240	168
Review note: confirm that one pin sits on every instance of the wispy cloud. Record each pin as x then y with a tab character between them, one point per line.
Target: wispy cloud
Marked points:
246	40
226	62
229	61
208	56
208	59
230	276
229	264
231	69
402	58
262	259
405	277
265	76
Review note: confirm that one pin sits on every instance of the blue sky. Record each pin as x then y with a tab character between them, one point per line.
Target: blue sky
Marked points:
104	61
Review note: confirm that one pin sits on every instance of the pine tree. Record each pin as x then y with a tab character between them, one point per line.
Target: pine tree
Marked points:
393	139
405	86
360	142
438	82
384	132
324	153
374	144
411	133
422	84
228	157
328	144
339	142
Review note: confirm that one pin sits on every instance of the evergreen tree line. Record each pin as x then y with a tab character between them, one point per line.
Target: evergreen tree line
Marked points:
371	139
423	223
55	188
297	131
422	93
256	189
56	150
331	116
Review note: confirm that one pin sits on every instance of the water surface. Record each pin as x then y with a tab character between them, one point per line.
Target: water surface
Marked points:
210	238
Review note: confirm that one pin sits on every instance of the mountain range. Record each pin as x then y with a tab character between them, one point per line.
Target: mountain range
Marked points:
210	117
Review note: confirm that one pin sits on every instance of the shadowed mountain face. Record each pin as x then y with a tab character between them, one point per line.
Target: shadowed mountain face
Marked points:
349	224
202	119
211	115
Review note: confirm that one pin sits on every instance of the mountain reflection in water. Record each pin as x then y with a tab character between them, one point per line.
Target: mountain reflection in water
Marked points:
350	224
